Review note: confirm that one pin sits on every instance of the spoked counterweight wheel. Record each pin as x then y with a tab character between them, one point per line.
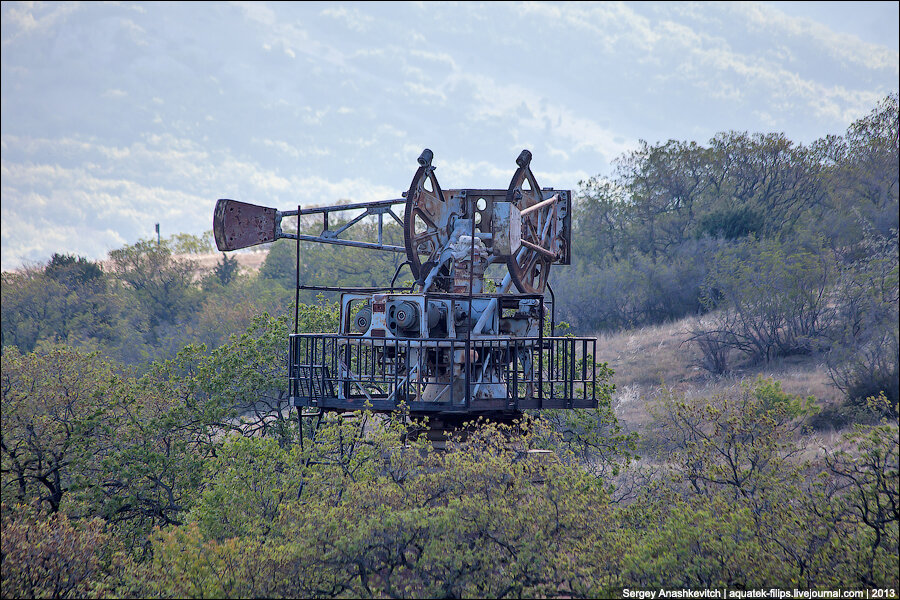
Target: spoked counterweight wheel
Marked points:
530	265
430	217
426	222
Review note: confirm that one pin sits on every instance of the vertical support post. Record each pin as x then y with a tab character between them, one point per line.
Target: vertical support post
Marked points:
347	351
552	310
300	425
471	311
515	373
540	359
297	278
572	360
451	375
395	370
584	354
292	352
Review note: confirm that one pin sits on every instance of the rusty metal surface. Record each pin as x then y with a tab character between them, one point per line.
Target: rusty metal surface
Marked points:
239	225
506	229
539	237
446	349
426	221
528	267
546	228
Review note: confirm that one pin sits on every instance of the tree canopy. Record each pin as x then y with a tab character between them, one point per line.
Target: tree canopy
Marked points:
148	447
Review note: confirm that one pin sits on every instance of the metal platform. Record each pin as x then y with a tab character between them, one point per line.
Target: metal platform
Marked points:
429	376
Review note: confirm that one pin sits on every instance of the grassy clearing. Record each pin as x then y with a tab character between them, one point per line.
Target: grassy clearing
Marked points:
647	359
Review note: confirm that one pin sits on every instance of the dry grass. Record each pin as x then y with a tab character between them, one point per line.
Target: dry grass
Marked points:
649	356
647	359
248	261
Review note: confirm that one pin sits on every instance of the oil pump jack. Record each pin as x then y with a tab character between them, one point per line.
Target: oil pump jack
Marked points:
445	350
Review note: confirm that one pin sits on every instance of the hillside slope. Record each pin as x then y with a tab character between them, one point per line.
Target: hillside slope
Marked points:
649	358
249	261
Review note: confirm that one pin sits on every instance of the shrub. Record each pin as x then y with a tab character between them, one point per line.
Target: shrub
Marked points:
47	556
863	360
771	300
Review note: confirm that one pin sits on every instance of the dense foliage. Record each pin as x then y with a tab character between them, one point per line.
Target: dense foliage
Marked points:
147	446
165	492
788	249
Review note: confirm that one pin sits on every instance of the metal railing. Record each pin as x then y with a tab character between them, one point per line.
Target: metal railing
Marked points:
347	372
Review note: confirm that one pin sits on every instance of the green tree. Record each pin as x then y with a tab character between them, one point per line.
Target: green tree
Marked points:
30	305
281	264
767	174
861	176
593	438
742	510
250	480
771	300
599	220
868	493
163	285
53	404
72	270
49	556
146	458
863	357
487	519
69	300
227	311
249	373
226	270
666	184
185	243
740	444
